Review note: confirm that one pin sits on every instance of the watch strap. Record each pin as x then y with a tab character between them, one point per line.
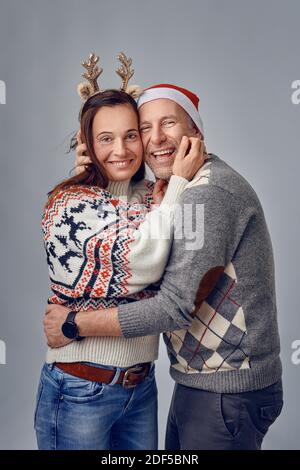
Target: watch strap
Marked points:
71	316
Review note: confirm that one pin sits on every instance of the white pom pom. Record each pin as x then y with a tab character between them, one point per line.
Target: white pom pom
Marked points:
85	90
134	90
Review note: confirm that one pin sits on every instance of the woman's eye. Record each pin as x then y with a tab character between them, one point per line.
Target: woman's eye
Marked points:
132	136
105	140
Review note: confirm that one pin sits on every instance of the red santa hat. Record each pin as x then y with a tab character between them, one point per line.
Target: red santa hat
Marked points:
185	98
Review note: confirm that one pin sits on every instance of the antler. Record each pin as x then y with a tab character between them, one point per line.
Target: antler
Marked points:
93	71
124	70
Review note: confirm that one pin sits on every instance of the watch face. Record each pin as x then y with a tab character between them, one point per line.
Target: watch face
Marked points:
69	330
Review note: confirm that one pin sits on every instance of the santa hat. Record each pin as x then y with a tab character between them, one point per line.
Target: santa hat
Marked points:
185	98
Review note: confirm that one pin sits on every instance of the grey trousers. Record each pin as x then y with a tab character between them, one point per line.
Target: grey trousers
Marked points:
201	420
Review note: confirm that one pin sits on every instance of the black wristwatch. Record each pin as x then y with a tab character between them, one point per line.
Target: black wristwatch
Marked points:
69	327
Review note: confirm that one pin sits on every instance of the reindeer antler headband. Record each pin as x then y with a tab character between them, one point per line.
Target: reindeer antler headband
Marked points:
91	87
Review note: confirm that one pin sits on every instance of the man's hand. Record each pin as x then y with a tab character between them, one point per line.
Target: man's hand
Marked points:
190	157
82	160
55	316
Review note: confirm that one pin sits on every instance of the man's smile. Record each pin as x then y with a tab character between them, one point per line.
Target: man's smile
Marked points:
162	155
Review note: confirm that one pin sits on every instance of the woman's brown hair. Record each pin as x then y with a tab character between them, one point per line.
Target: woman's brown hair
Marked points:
96	175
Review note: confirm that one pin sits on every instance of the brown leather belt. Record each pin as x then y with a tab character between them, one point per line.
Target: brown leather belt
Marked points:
129	378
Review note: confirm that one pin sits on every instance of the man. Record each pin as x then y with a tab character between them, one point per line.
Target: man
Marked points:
216	300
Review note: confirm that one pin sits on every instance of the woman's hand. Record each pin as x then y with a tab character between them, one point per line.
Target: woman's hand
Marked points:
82	160
189	160
159	190
55	316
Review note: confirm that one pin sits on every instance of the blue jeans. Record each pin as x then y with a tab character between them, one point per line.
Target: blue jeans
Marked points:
73	413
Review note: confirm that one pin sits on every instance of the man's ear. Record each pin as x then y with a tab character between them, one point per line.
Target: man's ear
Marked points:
196	132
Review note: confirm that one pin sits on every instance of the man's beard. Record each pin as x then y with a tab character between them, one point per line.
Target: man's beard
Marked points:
161	172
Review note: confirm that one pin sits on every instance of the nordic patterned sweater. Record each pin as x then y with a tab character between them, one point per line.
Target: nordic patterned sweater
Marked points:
217	298
104	247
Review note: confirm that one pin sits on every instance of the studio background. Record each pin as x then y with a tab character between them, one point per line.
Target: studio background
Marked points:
240	56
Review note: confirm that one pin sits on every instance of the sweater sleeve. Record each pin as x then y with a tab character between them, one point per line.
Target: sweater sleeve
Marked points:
151	241
205	240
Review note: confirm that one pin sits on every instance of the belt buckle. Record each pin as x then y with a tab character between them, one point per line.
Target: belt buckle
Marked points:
131	370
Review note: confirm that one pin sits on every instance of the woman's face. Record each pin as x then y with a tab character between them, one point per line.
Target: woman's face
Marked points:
116	140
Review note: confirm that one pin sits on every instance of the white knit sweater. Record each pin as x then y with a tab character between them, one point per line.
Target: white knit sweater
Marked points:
104	247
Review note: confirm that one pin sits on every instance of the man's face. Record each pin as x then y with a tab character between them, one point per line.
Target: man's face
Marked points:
163	123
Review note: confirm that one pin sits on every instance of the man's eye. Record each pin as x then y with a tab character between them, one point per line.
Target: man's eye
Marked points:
145	128
169	123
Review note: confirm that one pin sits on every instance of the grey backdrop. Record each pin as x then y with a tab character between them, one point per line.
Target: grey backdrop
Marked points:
240	56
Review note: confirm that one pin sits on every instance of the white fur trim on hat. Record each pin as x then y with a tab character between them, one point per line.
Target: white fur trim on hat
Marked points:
174	95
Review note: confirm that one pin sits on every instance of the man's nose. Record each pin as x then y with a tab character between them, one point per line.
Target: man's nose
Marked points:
157	136
120	148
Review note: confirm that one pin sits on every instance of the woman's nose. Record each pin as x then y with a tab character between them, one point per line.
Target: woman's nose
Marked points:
120	148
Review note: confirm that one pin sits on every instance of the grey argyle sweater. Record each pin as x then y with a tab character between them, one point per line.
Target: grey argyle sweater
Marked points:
216	301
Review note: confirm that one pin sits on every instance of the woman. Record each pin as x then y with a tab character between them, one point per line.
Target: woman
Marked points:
97	228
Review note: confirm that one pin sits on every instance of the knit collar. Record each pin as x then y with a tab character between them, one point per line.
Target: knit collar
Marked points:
119	188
